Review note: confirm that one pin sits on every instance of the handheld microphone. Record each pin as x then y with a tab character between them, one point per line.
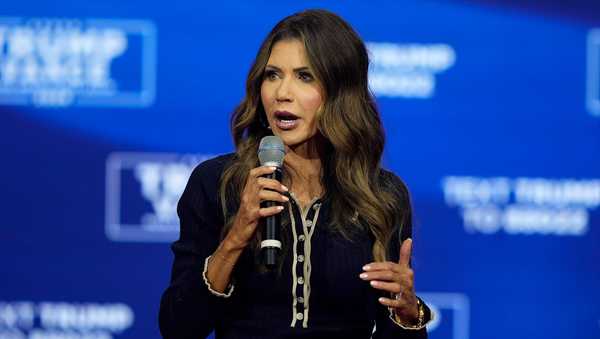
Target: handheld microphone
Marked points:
270	153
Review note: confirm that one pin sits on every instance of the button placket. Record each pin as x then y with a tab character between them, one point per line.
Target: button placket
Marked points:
303	231
300	258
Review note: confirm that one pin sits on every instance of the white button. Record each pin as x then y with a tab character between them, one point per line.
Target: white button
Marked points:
309	223
301	237
300	258
299	316
300	300
300	280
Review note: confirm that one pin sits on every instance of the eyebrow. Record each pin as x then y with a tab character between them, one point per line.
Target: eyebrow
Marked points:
303	68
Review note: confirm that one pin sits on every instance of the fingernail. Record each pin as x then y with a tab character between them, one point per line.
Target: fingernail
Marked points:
366	267
273	168
374	283
285	198
363	275
381	300
284	188
280	208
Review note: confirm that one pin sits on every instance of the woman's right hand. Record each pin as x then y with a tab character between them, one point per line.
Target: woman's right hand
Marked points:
256	190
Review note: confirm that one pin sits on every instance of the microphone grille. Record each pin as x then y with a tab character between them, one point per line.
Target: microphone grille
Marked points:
271	151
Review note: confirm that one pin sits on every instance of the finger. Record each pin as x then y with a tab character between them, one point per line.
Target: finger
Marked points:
382	266
379	275
396	303
271	184
268	211
392	287
262	170
272	196
405	252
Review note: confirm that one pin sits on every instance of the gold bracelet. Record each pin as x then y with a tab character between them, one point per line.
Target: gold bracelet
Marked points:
420	320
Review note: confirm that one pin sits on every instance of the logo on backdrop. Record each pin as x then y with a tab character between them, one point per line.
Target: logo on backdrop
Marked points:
593	72
523	205
51	320
407	70
71	62
142	191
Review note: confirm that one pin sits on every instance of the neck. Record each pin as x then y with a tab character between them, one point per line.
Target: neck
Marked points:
303	168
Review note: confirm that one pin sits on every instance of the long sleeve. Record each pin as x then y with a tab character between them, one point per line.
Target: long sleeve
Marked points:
188	309
385	327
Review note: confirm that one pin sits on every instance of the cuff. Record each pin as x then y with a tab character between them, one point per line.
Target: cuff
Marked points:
425	316
227	291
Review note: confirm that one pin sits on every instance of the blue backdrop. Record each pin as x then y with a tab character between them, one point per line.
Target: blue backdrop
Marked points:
492	114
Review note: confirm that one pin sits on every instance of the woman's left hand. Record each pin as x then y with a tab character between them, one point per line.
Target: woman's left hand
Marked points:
398	279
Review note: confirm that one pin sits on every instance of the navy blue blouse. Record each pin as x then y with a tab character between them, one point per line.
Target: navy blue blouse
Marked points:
316	294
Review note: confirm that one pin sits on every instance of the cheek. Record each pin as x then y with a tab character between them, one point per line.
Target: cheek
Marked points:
312	102
265	96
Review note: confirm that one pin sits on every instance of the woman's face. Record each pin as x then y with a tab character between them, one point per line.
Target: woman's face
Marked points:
290	93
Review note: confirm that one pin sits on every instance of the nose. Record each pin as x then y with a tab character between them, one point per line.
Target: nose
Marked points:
283	91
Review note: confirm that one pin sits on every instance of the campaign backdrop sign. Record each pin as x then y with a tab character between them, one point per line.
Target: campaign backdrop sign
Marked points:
492	118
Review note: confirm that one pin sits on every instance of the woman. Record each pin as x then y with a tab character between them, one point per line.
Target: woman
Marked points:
342	272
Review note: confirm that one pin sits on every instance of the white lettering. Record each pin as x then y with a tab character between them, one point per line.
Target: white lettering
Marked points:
113	317
529	220
12	334
471	190
18	314
57	334
407	70
62	320
162	185
485	219
523	205
55	54
567	192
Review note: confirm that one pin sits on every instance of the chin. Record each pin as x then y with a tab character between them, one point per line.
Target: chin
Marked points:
293	139
290	141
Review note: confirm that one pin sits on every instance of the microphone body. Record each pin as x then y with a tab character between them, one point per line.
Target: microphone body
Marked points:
270	153
271	245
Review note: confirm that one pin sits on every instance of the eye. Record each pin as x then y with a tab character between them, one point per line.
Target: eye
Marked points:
305	76
270	75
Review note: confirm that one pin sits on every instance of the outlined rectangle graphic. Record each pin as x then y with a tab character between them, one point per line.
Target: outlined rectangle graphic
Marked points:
593	72
451	315
66	62
142	191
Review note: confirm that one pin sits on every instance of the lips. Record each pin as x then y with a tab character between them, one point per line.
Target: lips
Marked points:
286	120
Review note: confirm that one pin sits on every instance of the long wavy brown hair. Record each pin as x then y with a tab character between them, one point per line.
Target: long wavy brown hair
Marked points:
349	124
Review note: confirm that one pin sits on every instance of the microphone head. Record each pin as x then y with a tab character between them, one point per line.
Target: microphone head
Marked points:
271	151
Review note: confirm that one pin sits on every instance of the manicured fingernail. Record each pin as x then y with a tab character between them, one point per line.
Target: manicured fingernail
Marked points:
285	198
284	188
374	283
280	208
272	168
363	275
366	267
381	300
